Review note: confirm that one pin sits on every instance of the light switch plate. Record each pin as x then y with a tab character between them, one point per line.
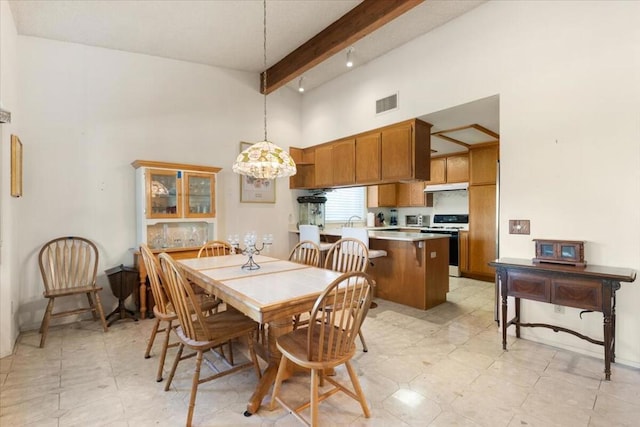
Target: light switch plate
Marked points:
519	226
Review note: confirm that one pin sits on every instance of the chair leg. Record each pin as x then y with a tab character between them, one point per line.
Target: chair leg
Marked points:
314	397
173	368
44	326
358	389
152	338
101	312
364	344
163	353
92	305
278	382
194	388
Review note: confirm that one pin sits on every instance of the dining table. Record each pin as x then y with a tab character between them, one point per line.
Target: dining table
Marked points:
271	295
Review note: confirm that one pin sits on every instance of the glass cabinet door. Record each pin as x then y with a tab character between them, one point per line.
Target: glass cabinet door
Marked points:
164	194
200	195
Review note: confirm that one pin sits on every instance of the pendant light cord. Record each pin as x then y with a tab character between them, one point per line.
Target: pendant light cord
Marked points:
264	73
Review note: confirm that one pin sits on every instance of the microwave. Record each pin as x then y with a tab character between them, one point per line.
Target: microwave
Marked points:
414	220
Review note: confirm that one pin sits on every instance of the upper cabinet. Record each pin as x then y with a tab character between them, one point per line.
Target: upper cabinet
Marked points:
438	171
458	168
398	152
383	195
368	158
406	151
449	169
483	165
411	194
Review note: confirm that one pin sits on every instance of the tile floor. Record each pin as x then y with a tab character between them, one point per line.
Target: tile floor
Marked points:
441	367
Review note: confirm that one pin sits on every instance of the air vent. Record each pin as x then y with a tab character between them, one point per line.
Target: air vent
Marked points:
386	104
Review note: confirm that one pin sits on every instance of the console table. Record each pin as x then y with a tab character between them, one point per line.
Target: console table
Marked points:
591	288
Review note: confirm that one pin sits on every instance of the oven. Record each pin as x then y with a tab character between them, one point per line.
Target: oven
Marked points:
451	226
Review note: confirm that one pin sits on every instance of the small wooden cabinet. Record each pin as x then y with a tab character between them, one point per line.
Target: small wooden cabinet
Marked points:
482	230
324	166
368	158
458	168
438	171
483	165
412	194
343	162
449	169
380	196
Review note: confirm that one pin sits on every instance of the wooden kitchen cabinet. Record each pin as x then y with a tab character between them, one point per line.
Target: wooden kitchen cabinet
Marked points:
458	168
323	166
405	151
383	195
438	171
343	161
463	242
305	165
482	230
411	194
449	169
367	158
483	165
399	152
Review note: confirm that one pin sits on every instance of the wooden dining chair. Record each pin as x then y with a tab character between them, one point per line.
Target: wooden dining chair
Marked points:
327	342
305	252
200	333
163	310
69	266
308	253
215	248
349	254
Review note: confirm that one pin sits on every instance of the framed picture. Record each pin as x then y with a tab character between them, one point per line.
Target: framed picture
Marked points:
255	190
16	166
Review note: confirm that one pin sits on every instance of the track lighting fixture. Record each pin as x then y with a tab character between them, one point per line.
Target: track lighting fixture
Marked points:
349	58
300	86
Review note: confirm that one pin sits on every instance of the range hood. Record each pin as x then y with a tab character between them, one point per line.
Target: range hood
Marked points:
454	186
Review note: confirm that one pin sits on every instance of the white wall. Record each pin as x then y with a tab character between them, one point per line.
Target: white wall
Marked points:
568	77
9	286
89	112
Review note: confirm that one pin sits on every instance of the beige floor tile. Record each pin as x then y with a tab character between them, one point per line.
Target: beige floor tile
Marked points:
440	367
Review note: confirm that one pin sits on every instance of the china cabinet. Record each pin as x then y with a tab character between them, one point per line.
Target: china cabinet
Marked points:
175	204
175	211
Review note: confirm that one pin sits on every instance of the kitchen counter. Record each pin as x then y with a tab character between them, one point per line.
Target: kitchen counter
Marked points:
415	271
387	233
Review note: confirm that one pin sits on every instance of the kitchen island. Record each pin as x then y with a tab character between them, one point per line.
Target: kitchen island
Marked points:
415	271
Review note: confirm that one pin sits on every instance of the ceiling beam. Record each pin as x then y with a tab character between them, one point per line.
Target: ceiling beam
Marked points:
360	21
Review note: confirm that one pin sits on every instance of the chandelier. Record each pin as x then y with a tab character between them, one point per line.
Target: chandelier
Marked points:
264	159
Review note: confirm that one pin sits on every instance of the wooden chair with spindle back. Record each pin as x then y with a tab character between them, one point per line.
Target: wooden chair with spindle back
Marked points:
69	266
327	342
308	253
200	333
162	310
349	254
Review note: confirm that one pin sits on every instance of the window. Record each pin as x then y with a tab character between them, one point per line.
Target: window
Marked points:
343	203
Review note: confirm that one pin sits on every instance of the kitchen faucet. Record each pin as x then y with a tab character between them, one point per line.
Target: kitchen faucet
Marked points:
350	222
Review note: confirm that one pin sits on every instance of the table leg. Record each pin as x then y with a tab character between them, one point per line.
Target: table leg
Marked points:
517	302
277	328
504	321
143	300
607	346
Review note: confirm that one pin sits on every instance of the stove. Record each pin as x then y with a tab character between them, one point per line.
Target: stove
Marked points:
451	225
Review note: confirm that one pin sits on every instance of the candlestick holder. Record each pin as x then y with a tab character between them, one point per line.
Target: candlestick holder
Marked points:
250	248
